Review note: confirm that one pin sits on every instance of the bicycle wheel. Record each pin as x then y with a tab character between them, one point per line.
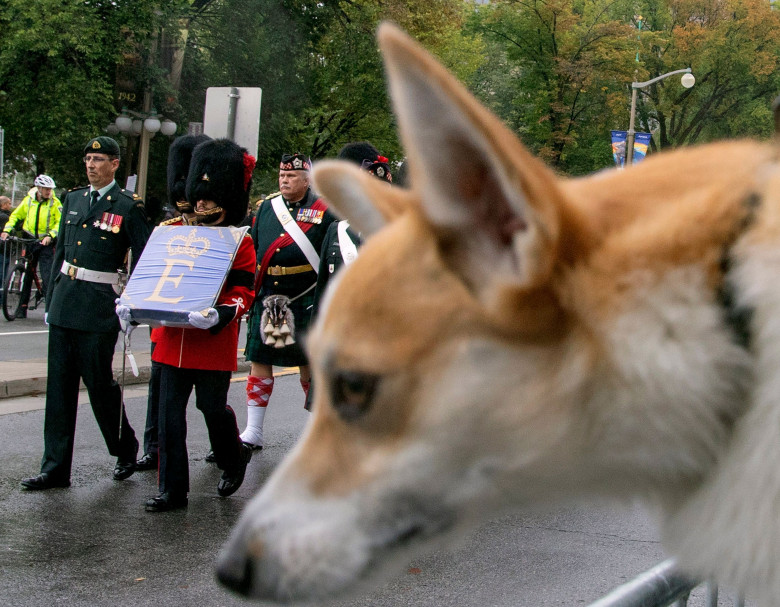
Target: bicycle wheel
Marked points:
12	291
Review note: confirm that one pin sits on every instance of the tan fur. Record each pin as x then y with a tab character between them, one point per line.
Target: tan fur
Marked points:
508	337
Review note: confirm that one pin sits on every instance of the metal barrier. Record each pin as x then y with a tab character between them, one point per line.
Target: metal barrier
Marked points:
661	586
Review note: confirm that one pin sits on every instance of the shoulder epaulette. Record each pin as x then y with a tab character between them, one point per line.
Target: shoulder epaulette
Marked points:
274	195
129	194
170	221
81	187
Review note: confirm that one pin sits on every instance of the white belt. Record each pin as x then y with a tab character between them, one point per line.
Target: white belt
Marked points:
77	273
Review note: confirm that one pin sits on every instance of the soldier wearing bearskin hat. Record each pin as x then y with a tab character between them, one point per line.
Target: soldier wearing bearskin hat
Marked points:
179	158
203	355
285	224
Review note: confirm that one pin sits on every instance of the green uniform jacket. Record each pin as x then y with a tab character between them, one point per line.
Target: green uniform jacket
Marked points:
267	228
89	306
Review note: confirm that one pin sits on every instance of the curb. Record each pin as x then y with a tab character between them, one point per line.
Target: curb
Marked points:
35	383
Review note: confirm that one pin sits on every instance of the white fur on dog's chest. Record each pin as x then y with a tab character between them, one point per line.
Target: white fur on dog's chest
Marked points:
671	359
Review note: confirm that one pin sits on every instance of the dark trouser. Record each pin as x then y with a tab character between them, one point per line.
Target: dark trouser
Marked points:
76	355
211	390
152	409
43	258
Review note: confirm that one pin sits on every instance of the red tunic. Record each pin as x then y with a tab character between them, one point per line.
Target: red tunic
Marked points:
213	349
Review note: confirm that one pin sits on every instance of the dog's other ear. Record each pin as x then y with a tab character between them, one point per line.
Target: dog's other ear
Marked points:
494	207
367	202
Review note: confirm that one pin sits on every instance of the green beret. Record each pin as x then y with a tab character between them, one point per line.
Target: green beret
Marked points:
102	145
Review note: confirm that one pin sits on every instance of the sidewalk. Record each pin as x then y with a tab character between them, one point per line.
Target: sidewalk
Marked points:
28	377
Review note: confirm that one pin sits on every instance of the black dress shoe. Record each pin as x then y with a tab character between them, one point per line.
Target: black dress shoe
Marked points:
210	457
43	481
254	447
231	480
166	502
123	469
147	462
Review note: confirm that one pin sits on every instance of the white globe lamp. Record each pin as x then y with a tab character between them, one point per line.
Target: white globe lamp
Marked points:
152	123
124	123
168	127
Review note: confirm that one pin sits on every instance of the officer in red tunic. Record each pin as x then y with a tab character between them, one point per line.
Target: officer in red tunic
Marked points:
203	355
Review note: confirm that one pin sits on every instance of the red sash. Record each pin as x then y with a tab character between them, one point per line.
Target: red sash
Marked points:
283	241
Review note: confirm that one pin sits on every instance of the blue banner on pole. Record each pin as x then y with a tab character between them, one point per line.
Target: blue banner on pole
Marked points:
619	147
641	143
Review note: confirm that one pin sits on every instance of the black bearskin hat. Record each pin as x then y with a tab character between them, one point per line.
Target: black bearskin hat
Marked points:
179	156
221	170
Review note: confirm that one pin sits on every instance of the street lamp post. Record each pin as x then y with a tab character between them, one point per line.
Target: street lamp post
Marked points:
687	81
145	125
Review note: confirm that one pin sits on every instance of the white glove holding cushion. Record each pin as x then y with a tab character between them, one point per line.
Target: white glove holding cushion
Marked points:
201	321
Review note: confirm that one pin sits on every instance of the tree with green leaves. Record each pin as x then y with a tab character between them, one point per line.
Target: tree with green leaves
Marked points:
58	67
553	70
733	48
319	68
560	71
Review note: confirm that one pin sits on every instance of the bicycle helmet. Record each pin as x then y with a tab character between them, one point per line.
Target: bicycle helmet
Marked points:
44	181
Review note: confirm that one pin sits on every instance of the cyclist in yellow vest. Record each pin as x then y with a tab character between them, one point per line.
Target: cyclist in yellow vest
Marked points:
39	215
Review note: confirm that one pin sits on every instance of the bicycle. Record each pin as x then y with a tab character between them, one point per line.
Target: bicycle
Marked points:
18	266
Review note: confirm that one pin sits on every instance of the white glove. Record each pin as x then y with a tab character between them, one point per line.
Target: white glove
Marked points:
46	317
124	312
201	321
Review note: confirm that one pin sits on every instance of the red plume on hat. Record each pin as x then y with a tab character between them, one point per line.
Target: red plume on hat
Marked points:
249	166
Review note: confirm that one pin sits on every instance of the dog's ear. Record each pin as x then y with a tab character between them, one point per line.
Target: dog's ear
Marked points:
493	205
367	202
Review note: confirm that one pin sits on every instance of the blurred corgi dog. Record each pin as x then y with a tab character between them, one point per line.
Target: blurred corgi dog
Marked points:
511	338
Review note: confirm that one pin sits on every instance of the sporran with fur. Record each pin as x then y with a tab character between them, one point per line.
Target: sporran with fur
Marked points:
277	321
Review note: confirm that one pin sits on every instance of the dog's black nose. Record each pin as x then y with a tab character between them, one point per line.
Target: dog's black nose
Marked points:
235	572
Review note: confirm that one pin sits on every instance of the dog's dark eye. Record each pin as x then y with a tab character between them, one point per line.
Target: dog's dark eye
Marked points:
352	393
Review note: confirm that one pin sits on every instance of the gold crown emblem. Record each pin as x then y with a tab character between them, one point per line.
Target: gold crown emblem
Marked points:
190	245
95	145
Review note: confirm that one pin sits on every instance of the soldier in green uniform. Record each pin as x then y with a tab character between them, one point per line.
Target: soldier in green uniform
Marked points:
285	267
98	226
